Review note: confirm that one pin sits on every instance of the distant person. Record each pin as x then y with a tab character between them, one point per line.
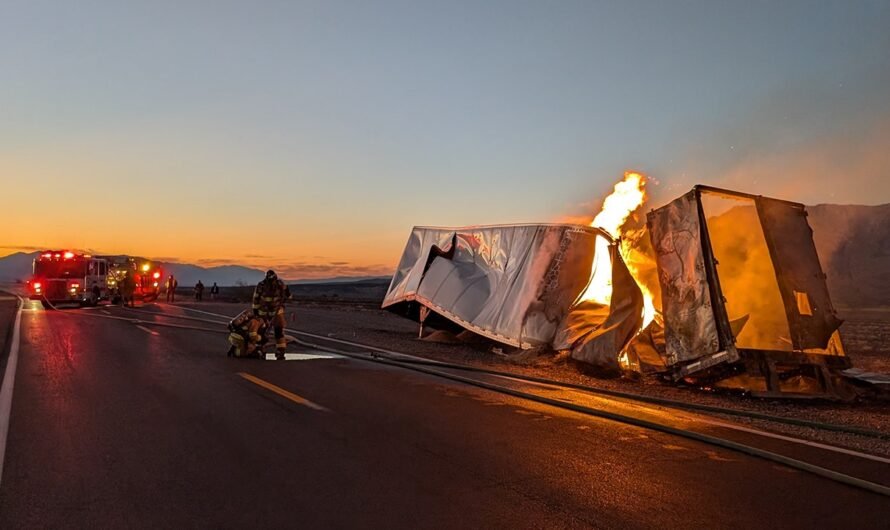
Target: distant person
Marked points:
269	298
171	285
199	291
214	291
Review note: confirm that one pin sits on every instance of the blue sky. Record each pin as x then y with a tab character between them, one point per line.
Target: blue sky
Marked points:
320	132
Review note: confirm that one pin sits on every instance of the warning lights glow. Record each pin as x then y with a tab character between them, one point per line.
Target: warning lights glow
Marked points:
69	255
146	267
156	275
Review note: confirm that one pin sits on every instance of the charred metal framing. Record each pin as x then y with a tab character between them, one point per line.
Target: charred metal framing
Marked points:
767	363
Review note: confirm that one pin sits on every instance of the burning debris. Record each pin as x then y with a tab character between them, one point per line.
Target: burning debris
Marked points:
743	295
721	289
519	285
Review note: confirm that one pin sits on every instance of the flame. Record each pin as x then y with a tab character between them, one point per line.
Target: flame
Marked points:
626	198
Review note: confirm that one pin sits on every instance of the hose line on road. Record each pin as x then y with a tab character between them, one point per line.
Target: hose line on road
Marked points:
671	403
414	364
629	420
420	365
136	321
662	401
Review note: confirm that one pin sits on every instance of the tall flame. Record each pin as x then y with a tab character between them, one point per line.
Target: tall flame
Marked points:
626	198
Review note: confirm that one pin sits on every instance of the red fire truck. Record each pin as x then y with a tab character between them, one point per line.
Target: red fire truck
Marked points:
147	274
62	276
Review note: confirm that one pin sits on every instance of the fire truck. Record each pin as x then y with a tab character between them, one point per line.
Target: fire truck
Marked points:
146	273
64	276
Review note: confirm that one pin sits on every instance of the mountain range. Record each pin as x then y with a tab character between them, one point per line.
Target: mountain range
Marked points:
854	247
18	266
853	244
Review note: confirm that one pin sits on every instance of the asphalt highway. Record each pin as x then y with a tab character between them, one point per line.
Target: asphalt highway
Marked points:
115	425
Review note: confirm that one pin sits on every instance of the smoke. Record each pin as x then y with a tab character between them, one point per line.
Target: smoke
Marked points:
807	143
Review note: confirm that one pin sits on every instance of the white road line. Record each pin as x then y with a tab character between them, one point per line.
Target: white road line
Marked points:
150	331
8	383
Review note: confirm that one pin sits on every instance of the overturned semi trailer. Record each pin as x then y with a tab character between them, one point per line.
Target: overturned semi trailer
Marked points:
520	285
744	300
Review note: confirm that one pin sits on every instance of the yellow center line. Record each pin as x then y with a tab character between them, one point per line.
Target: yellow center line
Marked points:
282	392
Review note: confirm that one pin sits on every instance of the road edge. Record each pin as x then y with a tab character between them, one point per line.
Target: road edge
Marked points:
6	388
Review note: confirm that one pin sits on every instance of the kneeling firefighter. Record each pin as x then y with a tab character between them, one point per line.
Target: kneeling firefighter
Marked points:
269	298
247	332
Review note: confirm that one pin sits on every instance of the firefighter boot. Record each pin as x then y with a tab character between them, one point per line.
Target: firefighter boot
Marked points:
280	342
231	352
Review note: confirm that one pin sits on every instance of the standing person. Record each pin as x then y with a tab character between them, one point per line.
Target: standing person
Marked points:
214	291
171	288
268	303
129	290
199	291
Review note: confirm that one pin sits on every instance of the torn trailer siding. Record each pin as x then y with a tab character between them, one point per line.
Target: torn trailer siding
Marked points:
518	285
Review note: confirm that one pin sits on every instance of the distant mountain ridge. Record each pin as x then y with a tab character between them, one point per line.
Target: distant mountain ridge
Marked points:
853	243
15	267
854	249
18	267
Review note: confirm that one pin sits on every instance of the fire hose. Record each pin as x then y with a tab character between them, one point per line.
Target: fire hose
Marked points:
671	403
422	367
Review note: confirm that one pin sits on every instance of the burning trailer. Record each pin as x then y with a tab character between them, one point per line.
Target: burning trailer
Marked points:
744	300
735	296
521	285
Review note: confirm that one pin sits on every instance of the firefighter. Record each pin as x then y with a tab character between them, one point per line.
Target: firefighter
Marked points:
128	290
247	334
171	288
268	303
199	291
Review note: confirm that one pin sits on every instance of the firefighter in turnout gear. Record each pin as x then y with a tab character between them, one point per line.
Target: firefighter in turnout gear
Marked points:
268	304
247	332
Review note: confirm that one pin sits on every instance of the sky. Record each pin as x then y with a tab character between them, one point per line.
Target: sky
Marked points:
311	136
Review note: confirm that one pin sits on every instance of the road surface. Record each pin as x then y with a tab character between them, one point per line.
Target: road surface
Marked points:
116	425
